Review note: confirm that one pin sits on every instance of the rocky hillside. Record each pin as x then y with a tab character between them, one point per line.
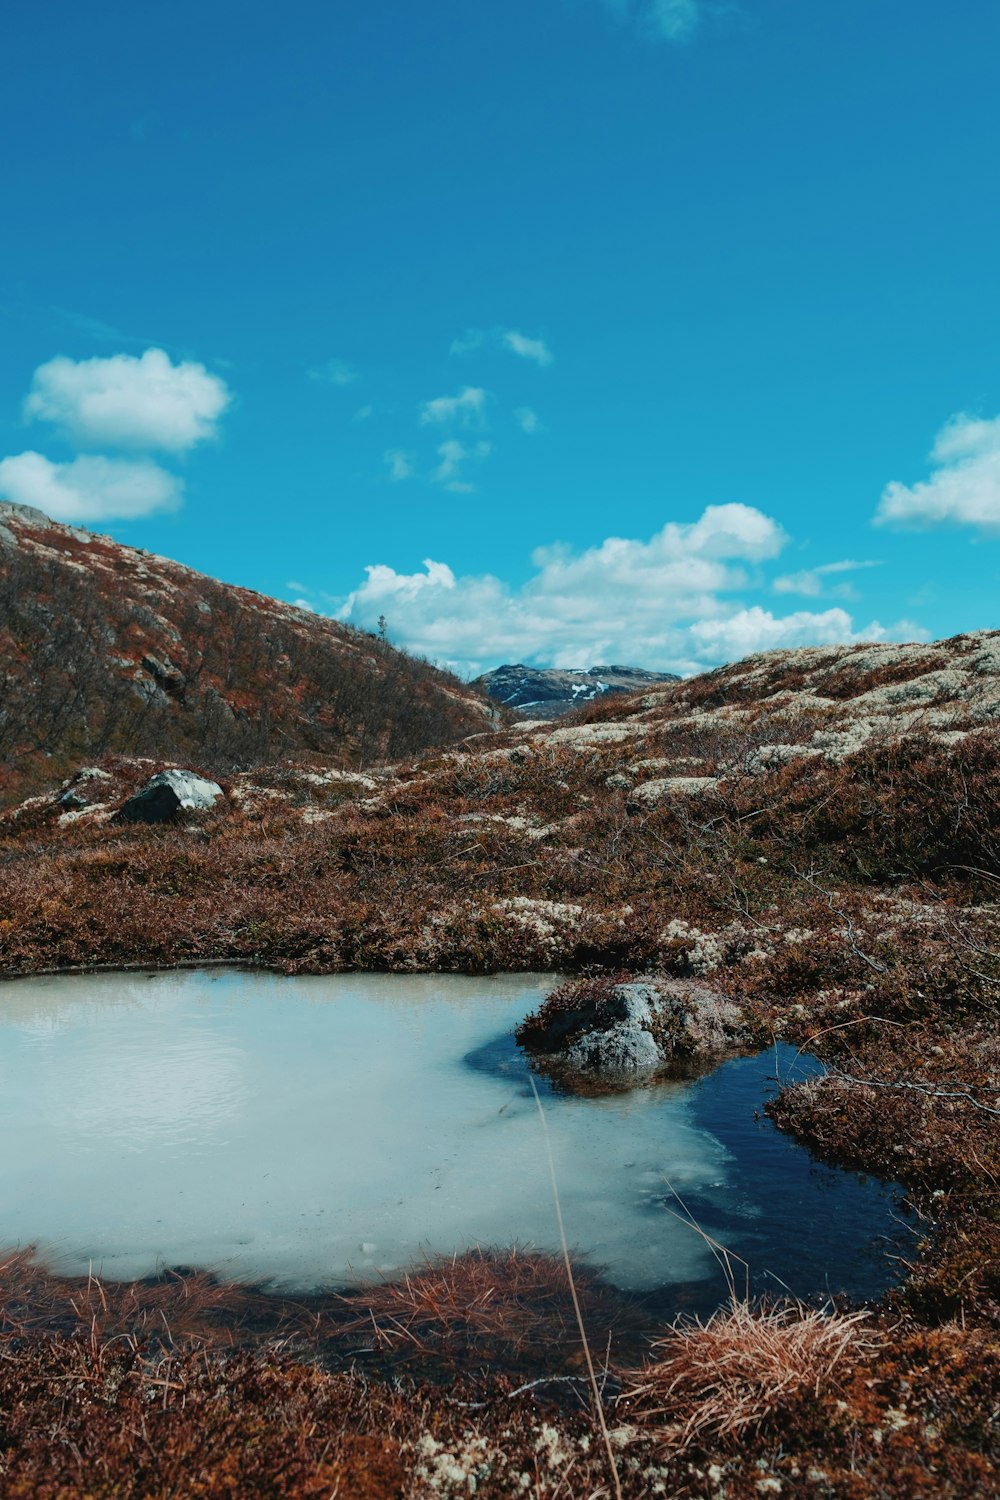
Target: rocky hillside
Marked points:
548	692
105	649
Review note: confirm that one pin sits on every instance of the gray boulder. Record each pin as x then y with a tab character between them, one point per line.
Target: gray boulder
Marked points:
30	514
167	794
632	1030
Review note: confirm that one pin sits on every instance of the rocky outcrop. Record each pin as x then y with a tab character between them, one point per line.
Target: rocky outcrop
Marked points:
603	1032
167	794
29	514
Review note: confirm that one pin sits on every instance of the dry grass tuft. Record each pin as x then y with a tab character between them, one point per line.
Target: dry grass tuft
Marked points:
730	1377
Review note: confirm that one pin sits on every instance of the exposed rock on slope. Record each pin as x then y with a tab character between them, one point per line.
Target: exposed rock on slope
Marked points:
167	794
105	649
548	692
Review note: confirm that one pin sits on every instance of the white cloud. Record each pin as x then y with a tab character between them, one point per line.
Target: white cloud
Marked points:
757	629
454	455
400	464
90	488
363	413
664	20
527	419
812	581
657	603
129	401
467	409
964	487
509	339
335	372
536	350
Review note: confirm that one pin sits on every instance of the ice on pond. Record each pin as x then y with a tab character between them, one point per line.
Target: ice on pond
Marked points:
312	1131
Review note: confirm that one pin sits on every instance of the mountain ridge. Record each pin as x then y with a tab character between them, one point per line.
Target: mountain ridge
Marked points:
556	691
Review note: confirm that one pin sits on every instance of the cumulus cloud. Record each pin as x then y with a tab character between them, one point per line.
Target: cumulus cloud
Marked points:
90	488
467	409
665	602
509	339
757	629
663	20
527	419
812	582
334	372
129	401
964	486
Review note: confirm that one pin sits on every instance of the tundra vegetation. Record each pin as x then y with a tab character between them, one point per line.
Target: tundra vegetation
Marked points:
816	836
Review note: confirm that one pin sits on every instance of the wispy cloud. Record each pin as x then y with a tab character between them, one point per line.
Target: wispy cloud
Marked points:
508	339
812	582
662	20
467	409
527	419
334	372
401	465
129	401
453	457
964	486
536	350
90	488
95	328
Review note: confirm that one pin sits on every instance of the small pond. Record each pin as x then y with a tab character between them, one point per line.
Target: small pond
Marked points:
315	1131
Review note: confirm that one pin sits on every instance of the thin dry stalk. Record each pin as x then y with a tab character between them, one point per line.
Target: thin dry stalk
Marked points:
591	1375
722	1254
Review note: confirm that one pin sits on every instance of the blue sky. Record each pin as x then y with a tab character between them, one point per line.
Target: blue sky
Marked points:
553	330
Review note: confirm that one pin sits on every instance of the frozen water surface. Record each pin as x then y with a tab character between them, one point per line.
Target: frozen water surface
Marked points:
311	1131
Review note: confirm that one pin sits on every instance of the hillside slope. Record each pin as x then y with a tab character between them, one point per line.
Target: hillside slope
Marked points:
105	649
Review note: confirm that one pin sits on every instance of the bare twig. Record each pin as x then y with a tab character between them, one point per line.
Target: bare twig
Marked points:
916	1088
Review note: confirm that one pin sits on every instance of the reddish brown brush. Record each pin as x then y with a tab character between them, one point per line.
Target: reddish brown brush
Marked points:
744	1368
504	1307
191	1309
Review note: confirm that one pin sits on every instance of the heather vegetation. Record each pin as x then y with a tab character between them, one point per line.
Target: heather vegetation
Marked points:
815	836
104	650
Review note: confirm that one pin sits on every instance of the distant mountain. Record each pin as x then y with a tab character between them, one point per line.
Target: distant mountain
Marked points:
548	692
108	650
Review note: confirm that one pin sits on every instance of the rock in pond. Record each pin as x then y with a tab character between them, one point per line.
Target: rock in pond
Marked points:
605	1031
167	794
